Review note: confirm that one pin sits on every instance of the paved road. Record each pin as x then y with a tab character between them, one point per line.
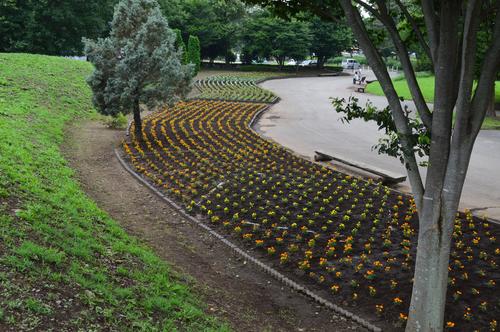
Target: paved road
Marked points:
305	121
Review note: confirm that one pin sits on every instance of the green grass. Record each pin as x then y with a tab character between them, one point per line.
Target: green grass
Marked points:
64	263
490	123
426	83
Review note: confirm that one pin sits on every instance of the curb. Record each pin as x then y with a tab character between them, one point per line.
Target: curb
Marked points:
269	270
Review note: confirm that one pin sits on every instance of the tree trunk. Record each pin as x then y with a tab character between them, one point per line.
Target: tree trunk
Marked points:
436	223
137	122
491	106
431	270
281	62
321	62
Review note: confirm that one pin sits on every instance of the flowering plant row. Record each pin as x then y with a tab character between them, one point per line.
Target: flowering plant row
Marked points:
354	239
236	88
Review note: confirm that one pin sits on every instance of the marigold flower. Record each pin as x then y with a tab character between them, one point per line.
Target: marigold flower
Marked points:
283	257
335	288
397	301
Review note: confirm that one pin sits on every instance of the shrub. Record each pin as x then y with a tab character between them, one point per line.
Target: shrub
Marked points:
194	53
119	121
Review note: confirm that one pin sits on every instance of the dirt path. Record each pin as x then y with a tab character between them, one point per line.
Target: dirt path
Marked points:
247	298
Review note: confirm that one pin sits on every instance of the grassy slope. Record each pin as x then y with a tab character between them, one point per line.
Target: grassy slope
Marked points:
426	83
64	264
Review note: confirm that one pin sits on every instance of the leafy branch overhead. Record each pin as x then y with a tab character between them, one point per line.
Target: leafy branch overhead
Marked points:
418	139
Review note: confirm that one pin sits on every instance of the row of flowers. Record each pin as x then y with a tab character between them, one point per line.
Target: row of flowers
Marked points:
234	88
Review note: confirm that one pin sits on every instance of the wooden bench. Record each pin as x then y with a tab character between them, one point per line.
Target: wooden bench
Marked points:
361	84
388	178
361	87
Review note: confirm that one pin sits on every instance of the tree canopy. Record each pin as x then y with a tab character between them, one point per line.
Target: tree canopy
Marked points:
329	38
263	36
215	23
222	27
52	27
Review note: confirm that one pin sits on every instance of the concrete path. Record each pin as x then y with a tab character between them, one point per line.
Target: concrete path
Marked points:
305	121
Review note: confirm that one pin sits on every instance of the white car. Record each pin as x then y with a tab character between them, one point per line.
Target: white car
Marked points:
350	64
308	63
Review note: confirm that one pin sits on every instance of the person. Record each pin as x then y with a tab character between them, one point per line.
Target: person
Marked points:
356	77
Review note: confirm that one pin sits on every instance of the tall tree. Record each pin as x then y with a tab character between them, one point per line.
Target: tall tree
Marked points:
215	23
52	27
264	36
329	39
451	43
137	65
181	46
174	12
194	53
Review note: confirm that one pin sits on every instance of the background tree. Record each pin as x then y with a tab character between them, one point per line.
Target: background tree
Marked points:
329	39
181	46
215	23
451	43
263	36
194	53
175	13
137	65
52	27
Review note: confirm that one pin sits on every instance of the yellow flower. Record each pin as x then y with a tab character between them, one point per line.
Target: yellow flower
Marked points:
271	250
322	261
335	288
450	324
397	301
283	257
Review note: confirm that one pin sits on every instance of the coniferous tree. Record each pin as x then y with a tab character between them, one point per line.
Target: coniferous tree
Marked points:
137	66
194	53
181	46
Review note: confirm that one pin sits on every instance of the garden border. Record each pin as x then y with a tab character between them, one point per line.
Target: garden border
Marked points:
269	270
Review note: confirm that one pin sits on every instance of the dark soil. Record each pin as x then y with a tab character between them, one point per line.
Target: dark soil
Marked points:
247	298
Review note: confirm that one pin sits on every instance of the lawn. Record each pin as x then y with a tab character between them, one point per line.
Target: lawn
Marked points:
65	265
426	83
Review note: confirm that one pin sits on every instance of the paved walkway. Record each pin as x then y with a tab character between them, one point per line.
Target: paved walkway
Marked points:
305	121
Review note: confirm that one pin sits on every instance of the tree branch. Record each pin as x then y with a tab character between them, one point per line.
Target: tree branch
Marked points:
400	120
416	92
445	97
432	24
489	71
469	47
416	29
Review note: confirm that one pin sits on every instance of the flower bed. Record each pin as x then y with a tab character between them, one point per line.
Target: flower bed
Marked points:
239	87
354	238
